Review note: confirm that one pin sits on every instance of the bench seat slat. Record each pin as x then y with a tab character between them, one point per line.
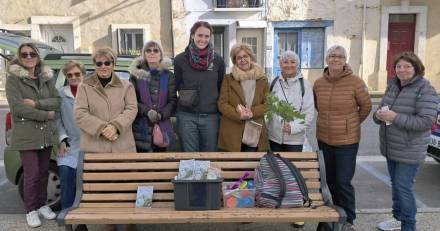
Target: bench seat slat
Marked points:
160	204
158	186
156	196
175	165
169	215
126	176
192	155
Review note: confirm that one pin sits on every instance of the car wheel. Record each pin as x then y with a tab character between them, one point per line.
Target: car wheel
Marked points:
53	187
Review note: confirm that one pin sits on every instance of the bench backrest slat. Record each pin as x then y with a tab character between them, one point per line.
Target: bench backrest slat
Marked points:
112	179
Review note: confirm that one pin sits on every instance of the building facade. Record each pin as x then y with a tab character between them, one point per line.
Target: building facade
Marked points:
372	31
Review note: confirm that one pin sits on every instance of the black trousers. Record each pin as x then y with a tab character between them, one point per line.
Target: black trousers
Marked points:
340	165
276	147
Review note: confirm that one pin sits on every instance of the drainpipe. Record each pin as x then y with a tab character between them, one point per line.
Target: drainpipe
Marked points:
363	40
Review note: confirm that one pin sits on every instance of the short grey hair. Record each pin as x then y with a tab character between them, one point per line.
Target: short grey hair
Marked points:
289	55
336	47
153	44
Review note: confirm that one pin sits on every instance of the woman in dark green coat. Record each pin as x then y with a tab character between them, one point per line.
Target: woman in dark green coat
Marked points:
34	101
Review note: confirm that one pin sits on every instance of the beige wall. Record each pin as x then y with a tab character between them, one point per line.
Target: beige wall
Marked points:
348	30
96	16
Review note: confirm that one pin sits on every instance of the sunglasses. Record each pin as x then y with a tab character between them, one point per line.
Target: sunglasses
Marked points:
155	50
106	63
31	55
71	75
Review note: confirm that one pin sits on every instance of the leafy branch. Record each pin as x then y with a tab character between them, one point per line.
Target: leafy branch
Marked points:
283	109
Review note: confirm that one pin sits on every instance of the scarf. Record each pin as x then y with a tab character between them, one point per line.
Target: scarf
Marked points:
200	59
145	98
255	73
74	89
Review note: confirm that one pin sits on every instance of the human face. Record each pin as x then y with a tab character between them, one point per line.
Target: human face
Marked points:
404	71
152	55
336	60
28	57
288	67
201	37
243	60
103	70
74	76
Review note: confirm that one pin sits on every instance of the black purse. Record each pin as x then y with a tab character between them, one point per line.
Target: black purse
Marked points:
189	97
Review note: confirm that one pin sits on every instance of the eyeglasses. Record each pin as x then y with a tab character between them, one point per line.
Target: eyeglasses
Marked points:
238	58
106	63
76	74
336	57
155	50
31	55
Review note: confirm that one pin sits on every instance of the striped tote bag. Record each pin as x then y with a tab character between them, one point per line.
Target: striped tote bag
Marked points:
279	184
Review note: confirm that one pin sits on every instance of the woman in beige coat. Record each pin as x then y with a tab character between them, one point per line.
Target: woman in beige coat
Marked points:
105	108
242	99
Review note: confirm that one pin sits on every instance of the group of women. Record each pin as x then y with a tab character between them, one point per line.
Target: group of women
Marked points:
214	111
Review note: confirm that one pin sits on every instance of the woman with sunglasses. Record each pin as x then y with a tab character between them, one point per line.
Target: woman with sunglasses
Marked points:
105	108
34	101
156	95
68	133
199	74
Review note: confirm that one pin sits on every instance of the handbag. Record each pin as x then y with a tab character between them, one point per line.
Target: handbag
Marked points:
279	184
188	97
251	133
160	139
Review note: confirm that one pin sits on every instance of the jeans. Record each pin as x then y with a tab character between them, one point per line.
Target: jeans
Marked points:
36	173
340	165
197	132
68	185
404	202
276	147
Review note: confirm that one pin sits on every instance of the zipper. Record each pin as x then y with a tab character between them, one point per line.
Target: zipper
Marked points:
270	157
391	106
299	178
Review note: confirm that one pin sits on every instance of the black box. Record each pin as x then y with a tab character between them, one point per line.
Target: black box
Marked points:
197	194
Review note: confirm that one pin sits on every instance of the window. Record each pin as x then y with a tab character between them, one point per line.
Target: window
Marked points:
218	39
252	42
308	43
131	41
58	39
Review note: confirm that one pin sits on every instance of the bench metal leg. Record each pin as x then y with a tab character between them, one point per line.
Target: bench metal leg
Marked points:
69	228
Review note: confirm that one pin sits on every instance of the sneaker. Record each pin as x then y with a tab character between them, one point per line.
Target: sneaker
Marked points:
389	225
46	212
348	227
32	219
299	224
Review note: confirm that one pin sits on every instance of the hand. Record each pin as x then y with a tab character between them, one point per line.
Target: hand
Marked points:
63	149
110	132
378	115
29	102
388	116
154	116
286	128
51	115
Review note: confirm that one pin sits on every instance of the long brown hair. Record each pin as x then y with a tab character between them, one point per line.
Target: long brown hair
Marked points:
17	60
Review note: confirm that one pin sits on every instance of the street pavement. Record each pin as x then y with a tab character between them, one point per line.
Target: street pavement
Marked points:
371	181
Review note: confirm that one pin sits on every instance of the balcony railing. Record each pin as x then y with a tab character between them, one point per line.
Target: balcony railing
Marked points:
238	3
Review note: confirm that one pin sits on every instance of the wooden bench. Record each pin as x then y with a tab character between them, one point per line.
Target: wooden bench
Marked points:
107	184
